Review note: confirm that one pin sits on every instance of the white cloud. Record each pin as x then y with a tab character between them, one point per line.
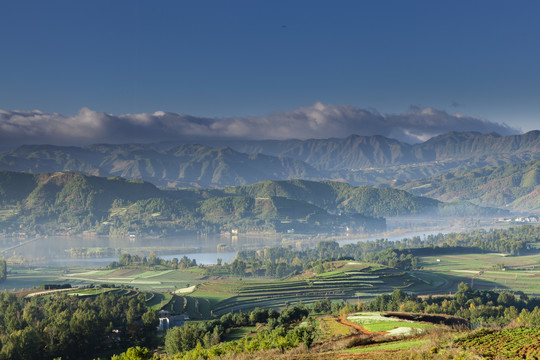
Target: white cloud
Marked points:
317	121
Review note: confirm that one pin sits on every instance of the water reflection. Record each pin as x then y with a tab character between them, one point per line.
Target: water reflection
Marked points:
59	250
82	251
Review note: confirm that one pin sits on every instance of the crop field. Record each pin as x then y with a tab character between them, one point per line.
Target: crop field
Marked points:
374	322
23	278
196	308
484	271
144	279
518	343
347	282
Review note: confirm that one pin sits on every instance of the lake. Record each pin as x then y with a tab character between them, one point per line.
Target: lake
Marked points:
55	250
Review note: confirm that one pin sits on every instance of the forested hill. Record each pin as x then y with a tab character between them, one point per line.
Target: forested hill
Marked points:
341	197
71	202
515	186
359	160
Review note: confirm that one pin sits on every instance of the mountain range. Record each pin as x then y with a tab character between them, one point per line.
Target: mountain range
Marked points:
360	152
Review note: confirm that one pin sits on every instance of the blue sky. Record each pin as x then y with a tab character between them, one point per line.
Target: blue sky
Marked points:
255	58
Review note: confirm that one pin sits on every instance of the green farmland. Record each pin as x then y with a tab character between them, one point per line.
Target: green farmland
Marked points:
140	278
20	278
484	271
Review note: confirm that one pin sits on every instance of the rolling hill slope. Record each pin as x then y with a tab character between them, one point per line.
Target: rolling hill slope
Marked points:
514	186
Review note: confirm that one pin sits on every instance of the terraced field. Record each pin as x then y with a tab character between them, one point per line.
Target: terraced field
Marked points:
518	343
196	308
349	281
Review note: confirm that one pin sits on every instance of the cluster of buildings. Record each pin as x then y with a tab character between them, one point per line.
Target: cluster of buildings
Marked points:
532	219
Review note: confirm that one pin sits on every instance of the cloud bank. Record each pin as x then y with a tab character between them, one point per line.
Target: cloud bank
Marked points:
317	121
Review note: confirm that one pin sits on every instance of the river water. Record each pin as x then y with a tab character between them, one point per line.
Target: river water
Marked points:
56	250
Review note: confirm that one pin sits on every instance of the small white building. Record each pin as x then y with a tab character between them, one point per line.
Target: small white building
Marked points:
168	321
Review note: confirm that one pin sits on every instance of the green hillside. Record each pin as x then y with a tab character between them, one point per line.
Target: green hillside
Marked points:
65	202
69	202
515	186
342	197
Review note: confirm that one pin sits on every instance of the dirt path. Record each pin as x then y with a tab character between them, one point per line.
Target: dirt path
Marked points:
360	328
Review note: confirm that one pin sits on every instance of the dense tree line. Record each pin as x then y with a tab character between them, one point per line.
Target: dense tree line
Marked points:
481	307
280	262
208	334
512	241
152	261
278	338
3	270
73	328
393	258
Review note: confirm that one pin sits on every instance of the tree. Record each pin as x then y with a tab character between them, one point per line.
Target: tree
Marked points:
3	270
150	321
152	260
238	267
134	353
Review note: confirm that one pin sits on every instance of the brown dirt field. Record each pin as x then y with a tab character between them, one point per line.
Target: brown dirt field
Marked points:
24	293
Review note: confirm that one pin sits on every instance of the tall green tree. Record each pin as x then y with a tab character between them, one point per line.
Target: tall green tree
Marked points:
3	270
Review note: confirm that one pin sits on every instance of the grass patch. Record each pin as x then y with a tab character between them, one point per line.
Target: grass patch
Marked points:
375	322
239	333
29	278
159	300
389	325
394	345
332	328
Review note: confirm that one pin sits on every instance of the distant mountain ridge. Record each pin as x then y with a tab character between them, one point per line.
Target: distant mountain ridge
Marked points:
513	186
357	160
179	166
379	151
